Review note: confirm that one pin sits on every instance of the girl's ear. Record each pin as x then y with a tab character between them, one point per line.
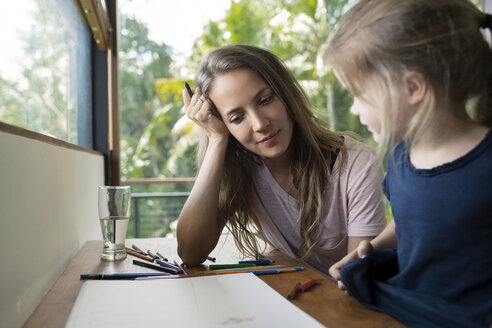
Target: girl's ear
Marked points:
415	87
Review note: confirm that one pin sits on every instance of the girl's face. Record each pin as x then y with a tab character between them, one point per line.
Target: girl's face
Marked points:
368	116
252	113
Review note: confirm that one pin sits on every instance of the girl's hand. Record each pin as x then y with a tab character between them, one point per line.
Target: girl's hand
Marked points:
364	249
199	110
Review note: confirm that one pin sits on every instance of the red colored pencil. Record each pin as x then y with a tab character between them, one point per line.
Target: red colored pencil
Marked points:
138	249
292	294
308	285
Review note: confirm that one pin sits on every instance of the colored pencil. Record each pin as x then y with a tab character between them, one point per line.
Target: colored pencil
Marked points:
305	286
258	262
255	270
152	254
161	256
189	89
138	249
119	276
181	268
165	265
134	250
128	251
230	266
155	267
211	258
213	273
261	267
292	294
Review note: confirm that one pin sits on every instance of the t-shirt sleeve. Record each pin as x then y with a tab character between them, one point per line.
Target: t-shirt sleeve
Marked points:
365	199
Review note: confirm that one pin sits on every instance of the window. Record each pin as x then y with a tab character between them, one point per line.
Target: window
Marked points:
45	69
159	50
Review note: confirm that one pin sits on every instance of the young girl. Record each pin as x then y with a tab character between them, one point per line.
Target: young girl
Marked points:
268	165
420	73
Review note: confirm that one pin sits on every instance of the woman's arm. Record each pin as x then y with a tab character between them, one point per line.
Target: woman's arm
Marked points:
353	242
198	230
366	210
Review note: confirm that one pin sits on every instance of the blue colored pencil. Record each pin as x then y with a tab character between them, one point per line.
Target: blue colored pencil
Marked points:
168	265
257	262
119	276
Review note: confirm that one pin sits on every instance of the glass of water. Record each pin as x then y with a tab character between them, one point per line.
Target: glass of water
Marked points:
114	214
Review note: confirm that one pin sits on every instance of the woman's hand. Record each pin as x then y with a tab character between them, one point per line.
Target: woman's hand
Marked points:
364	249
199	110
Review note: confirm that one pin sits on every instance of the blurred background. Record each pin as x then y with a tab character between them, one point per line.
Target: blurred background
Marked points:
161	45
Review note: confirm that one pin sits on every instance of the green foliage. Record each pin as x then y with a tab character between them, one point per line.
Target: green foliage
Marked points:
150	106
158	141
298	31
155	216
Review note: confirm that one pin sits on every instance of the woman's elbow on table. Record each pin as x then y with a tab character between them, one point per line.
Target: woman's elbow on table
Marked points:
189	256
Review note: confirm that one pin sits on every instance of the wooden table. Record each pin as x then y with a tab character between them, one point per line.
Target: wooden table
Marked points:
324	301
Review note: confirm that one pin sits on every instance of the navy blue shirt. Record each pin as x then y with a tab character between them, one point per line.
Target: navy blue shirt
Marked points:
443	220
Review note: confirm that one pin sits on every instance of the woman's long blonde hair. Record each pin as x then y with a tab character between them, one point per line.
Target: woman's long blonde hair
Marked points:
377	42
312	143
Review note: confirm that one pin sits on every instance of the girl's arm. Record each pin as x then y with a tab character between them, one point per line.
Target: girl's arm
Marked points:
386	239
198	230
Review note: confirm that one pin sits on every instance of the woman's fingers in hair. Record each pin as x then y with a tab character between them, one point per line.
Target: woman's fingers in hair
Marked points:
203	110
195	105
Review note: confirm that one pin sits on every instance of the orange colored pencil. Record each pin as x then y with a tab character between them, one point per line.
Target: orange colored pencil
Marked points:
128	251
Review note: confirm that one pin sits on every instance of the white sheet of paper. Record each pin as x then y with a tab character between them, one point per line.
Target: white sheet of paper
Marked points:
236	300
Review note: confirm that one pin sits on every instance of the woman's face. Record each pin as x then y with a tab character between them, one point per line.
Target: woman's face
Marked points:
252	113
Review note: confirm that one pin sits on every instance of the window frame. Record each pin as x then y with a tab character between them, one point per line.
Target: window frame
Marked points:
102	120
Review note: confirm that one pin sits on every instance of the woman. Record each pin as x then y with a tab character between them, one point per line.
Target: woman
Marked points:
268	164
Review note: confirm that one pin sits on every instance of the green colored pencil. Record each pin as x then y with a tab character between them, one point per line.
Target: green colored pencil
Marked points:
229	266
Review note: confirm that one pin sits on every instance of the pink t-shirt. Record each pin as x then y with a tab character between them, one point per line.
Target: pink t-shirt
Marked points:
354	207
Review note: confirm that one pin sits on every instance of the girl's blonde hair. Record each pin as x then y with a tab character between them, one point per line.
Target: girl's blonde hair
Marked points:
377	42
312	147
